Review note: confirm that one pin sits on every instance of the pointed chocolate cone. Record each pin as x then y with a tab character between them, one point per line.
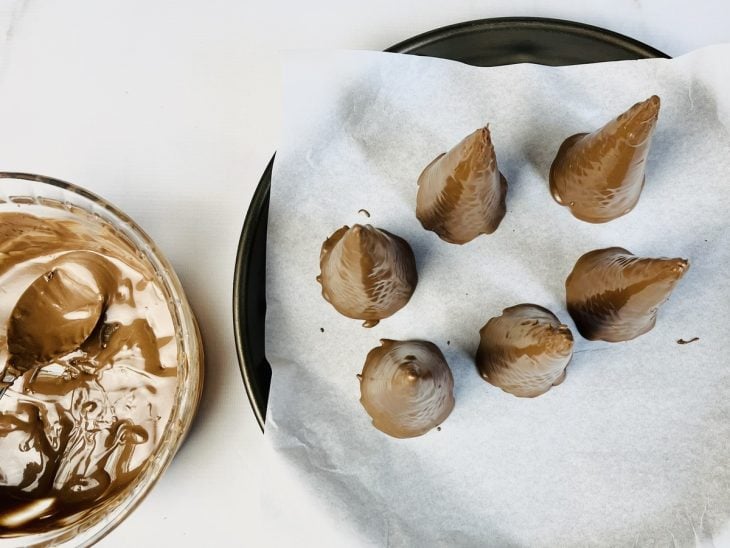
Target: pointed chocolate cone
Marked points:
461	194
614	296
524	351
367	273
599	176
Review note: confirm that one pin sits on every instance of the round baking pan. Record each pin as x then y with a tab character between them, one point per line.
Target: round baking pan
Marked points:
487	42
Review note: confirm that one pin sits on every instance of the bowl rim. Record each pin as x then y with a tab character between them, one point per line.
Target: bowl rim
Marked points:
188	391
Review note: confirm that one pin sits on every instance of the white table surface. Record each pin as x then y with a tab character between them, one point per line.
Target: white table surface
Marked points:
170	110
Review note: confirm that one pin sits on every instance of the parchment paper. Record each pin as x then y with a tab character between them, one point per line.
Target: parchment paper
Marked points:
632	450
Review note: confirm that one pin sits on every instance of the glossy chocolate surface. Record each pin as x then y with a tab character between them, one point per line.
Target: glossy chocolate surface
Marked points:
612	295
406	387
88	355
525	351
599	176
462	194
367	273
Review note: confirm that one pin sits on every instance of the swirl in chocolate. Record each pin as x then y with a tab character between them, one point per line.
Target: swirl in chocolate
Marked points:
88	365
406	387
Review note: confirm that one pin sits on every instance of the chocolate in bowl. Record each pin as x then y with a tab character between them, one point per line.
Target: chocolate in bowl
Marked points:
100	397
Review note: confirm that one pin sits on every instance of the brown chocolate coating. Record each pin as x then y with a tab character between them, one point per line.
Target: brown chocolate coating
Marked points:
58	311
406	387
612	295
599	175
367	273
461	194
89	358
525	351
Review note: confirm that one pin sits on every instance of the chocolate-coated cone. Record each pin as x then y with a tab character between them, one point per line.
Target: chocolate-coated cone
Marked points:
367	273
614	296
461	194
406	387
599	175
524	351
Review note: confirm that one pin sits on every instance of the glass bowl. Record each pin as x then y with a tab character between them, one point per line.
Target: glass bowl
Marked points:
35	194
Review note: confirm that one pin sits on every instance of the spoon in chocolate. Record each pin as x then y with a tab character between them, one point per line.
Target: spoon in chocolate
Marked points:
54	316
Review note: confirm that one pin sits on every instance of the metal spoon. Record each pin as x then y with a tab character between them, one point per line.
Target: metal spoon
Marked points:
53	317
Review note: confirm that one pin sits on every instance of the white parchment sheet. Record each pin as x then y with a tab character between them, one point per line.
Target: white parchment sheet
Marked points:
633	448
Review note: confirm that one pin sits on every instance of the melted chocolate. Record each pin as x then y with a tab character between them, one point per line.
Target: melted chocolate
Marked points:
461	194
614	296
58	312
525	351
599	175
367	273
406	387
89	357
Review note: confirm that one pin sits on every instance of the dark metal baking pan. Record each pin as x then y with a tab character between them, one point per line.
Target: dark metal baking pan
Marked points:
487	42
